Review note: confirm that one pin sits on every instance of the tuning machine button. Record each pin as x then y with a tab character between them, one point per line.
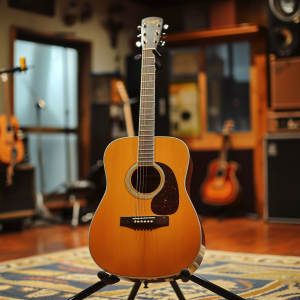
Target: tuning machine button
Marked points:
139	35
162	43
138	44
139	28
164	35
166	26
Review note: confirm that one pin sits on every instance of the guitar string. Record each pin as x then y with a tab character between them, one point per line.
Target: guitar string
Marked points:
138	155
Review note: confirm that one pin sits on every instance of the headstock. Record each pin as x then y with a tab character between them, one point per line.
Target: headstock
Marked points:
4	76
227	127
151	32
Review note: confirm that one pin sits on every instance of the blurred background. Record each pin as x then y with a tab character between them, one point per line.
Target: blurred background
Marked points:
229	90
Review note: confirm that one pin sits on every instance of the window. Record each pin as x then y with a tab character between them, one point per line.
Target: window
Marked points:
52	78
227	69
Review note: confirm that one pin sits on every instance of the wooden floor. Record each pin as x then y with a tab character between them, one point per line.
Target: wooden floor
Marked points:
239	235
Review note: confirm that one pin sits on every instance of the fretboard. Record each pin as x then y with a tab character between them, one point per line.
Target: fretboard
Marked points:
147	110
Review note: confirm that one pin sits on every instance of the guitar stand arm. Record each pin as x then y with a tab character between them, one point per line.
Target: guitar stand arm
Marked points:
185	276
105	280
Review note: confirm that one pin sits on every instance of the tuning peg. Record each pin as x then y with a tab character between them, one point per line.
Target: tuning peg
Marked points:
137	57
139	28
166	26
162	43
139	35
138	44
164	35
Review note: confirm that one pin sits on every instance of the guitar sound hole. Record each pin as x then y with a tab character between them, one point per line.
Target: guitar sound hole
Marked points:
145	179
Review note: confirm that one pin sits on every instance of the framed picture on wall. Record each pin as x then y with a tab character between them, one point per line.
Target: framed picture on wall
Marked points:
184	109
44	7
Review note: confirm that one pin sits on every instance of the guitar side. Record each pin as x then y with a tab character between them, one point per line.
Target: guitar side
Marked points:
153	255
223	190
8	140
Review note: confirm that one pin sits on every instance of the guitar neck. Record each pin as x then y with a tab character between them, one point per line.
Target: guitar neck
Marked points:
126	107
147	110
5	84
224	153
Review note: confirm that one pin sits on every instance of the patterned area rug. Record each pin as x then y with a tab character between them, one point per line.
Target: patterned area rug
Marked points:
61	275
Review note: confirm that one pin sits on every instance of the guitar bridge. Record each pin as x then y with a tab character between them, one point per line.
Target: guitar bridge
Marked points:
144	222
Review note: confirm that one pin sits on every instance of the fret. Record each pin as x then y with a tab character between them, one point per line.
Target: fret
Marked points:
144	161
148	95
147	141
148	80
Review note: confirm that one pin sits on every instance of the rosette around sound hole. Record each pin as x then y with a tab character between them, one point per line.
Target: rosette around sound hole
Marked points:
145	179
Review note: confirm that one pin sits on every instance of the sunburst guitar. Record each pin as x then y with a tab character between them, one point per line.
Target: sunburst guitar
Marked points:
220	186
146	228
11	146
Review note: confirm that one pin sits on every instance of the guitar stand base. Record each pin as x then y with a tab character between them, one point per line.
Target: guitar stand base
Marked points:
105	280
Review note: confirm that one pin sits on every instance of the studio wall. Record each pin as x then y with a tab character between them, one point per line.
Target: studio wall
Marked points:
103	55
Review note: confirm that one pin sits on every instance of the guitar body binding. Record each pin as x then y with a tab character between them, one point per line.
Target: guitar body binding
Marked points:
152	251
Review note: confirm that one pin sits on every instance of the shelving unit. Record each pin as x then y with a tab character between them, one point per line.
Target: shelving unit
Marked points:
252	139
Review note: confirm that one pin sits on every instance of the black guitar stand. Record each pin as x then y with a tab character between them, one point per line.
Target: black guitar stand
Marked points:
105	280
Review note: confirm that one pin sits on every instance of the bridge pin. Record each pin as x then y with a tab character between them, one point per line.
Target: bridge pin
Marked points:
147	221
151	221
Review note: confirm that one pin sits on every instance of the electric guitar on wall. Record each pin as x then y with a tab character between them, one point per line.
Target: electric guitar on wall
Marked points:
126	106
146	228
220	186
11	146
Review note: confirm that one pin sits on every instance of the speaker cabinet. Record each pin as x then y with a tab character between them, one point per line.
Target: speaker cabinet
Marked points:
284	27
282	177
18	200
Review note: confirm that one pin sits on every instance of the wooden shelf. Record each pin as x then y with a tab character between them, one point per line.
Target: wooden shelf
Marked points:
241	31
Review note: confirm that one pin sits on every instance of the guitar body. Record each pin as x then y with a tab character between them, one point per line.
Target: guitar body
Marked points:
143	252
10	140
220	190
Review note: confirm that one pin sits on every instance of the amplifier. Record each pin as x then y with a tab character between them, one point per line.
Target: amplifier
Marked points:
18	200
282	177
283	121
284	83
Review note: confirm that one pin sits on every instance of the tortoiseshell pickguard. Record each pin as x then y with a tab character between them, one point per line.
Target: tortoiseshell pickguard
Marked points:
166	202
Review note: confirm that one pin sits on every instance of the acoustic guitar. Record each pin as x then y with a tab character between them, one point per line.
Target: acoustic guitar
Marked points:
146	228
221	187
11	146
126	106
